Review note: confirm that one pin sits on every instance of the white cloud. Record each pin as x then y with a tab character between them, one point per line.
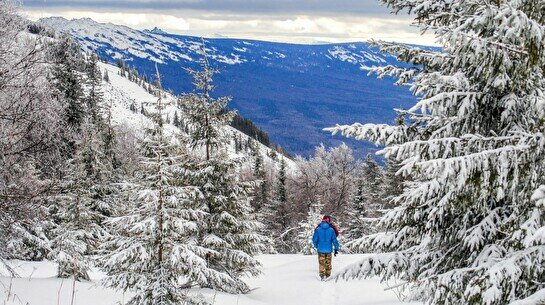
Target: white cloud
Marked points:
297	25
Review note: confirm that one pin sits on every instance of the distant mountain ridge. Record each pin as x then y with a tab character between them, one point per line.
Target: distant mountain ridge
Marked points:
292	91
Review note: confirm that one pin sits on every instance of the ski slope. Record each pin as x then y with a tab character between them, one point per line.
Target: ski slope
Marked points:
286	280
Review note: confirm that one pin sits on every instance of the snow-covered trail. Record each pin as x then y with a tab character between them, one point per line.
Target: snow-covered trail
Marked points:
293	280
286	280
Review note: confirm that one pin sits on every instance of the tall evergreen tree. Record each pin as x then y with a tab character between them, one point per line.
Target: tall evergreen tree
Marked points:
281	188
132	107
276	215
78	211
109	137
154	251
94	96
374	182
393	180
367	205
261	193
99	114
228	230
235	142
86	192
106	77
392	183
176	120
66	78
468	230
357	224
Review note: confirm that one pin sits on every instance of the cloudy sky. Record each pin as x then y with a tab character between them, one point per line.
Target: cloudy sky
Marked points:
304	21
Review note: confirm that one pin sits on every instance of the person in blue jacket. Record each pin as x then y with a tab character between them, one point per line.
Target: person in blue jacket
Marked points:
324	239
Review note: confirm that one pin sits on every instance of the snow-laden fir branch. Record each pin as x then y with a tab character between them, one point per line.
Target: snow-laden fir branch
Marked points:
469	225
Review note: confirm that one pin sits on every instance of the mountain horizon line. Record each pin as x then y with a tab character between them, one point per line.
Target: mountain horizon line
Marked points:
160	31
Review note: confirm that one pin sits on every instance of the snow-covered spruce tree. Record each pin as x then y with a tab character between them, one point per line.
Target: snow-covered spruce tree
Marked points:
154	251
87	192
261	193
68	63
392	184
94	98
307	227
176	120
356	224
109	138
78	211
367	204
276	215
373	186
467	230
100	115
228	231
281	185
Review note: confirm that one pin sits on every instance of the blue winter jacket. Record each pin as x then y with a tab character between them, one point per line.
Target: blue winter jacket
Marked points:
324	238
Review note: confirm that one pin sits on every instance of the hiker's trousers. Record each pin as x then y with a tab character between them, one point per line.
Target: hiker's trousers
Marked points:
324	259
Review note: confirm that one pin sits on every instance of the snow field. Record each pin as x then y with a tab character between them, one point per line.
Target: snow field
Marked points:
286	280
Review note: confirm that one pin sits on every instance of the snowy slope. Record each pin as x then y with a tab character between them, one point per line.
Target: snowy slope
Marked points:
292	91
286	280
158	46
120	93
